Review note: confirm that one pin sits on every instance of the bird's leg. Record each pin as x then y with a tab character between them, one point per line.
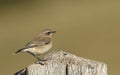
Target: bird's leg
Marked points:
38	59
34	56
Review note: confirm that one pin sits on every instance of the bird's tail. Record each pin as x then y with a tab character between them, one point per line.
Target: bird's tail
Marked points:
20	50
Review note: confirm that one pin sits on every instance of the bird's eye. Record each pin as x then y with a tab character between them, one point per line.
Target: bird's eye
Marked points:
48	33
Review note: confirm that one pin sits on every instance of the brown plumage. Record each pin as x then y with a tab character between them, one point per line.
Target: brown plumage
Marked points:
40	44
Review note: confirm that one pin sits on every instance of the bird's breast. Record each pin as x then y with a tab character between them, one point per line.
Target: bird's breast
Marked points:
43	49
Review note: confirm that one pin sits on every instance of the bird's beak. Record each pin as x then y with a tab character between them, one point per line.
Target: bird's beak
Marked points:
53	31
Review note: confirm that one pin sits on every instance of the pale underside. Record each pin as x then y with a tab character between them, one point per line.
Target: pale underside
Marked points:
39	49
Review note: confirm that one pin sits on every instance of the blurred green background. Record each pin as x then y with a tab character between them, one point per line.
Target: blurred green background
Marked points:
86	28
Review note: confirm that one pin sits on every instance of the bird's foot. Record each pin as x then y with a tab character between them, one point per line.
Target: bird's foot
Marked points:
41	61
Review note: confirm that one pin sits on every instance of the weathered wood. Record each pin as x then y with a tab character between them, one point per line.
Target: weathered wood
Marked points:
63	63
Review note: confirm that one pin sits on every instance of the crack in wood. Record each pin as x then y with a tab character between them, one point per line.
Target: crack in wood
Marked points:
22	72
66	69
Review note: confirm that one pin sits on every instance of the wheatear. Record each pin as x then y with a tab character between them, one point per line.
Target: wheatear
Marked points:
40	44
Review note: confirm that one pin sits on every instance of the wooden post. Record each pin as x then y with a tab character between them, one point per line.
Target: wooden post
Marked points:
63	63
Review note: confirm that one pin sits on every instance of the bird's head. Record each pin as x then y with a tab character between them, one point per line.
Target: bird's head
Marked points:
47	32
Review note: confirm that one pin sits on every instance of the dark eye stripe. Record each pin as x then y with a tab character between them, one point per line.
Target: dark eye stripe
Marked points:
48	33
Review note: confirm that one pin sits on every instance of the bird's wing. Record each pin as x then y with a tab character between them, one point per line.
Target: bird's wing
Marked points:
38	42
44	41
22	49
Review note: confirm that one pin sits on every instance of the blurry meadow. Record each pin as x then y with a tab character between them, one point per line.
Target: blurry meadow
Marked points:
86	28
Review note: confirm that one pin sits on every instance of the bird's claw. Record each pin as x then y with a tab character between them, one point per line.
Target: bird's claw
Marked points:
41	61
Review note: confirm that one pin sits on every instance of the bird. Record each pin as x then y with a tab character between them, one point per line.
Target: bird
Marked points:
39	44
